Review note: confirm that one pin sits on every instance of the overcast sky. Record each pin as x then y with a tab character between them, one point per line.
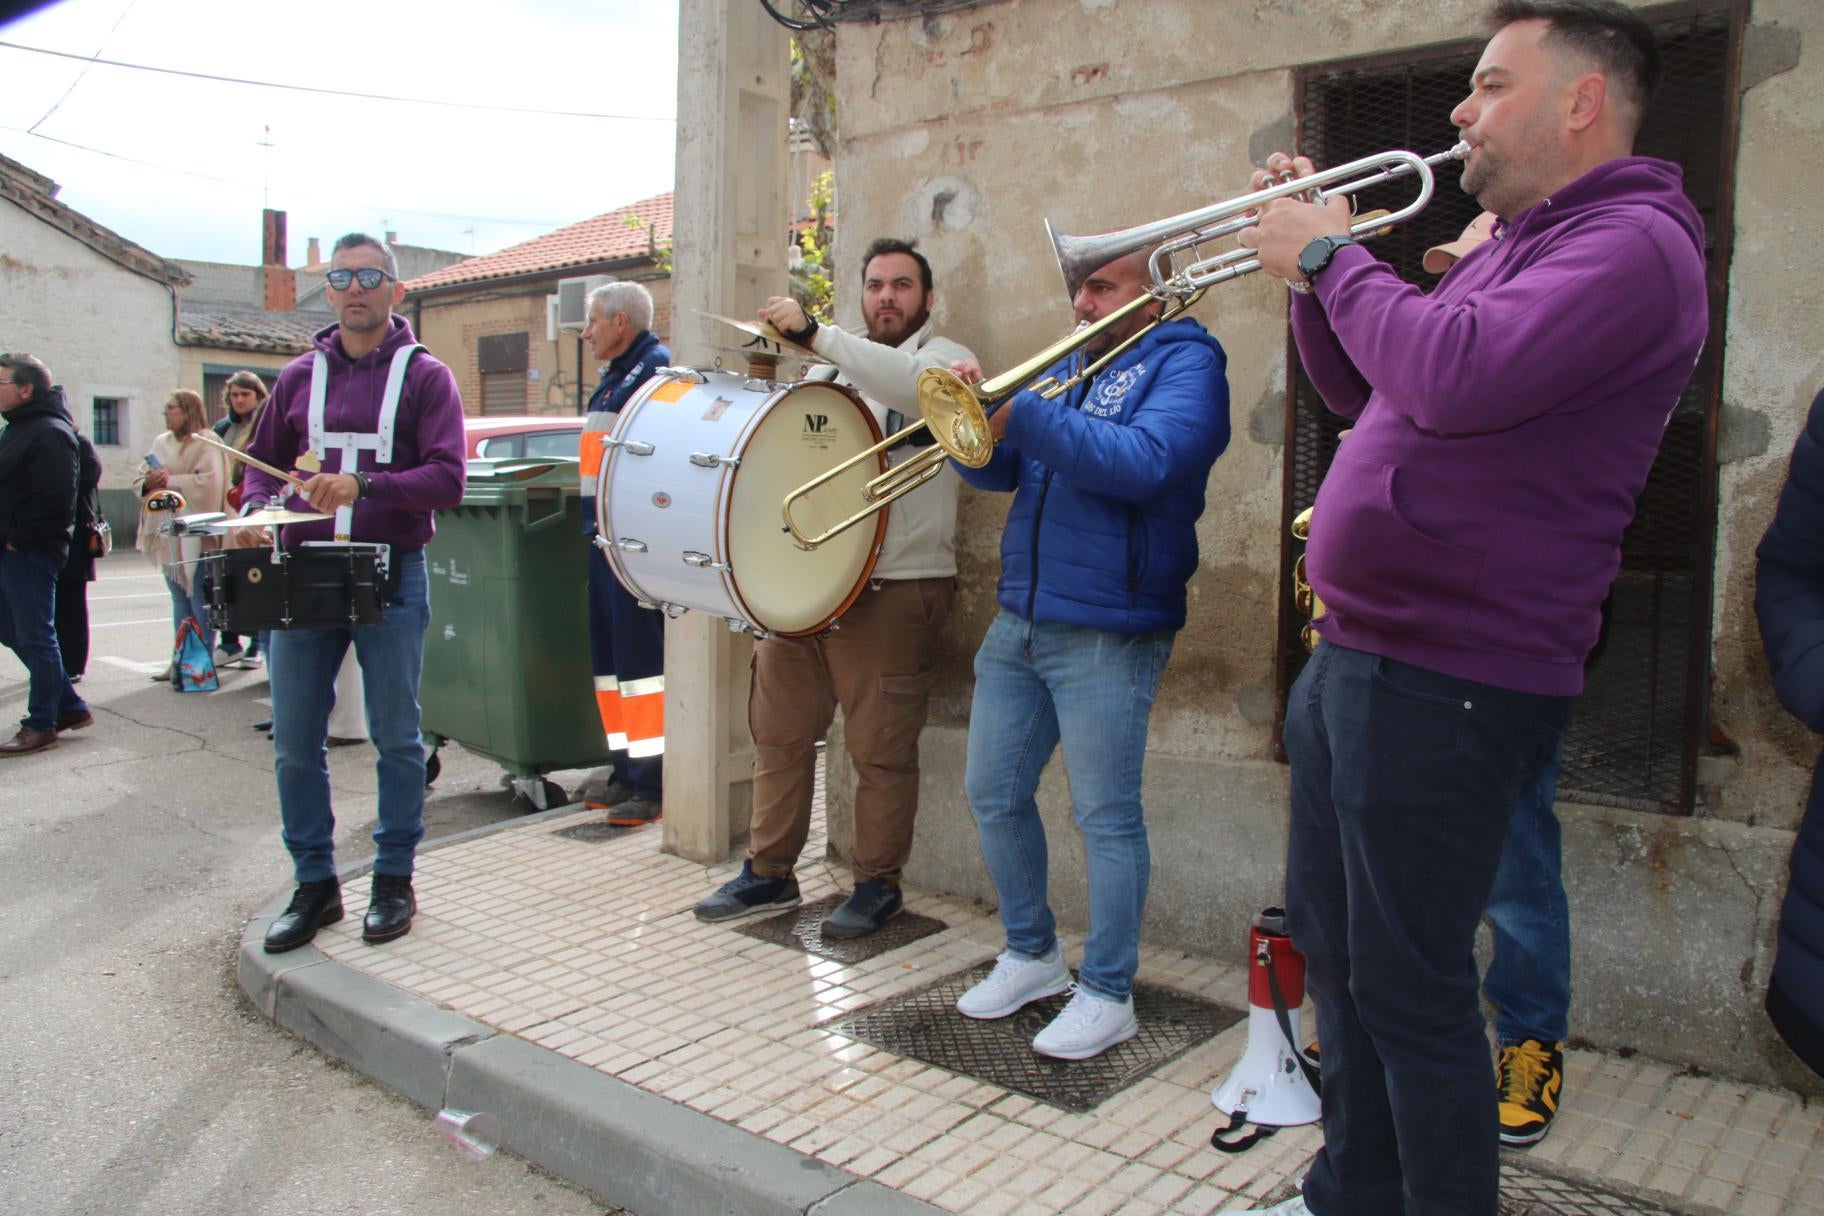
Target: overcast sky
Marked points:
187	176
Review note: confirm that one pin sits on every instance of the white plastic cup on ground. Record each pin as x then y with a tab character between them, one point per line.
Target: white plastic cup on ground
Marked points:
474	1134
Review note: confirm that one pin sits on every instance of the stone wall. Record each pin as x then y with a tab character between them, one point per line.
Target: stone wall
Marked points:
966	130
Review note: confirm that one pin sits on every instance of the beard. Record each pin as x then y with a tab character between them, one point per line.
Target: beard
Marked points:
896	329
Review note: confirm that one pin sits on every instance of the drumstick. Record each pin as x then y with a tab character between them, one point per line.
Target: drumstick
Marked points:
244	458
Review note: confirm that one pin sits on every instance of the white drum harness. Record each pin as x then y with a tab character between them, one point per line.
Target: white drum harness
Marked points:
352	443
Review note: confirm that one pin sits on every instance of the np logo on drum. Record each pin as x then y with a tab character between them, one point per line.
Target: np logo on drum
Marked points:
820	431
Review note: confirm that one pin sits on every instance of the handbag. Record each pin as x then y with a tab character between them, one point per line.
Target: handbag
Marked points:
192	666
101	538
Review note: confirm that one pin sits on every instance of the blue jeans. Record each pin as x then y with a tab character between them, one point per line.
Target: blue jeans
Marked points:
190	603
1403	783
1037	684
28	602
1529	979
303	664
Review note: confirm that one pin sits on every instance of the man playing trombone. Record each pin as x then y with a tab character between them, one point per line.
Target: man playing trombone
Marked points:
1108	480
1463	542
877	662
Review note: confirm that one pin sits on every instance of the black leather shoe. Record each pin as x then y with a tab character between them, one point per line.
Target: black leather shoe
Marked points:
389	912
313	905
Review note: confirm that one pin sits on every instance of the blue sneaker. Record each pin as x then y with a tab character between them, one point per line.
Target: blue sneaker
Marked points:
748	894
871	906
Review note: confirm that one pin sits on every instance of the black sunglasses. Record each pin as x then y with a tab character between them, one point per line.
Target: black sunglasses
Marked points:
367	276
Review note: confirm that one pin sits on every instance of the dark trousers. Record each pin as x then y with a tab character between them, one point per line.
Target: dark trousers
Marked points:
628	642
72	611
1403	782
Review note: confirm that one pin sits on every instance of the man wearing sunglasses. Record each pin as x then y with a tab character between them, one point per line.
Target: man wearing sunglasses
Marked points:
373	425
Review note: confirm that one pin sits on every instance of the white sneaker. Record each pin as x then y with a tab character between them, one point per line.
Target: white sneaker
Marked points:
1015	982
1088	1026
1294	1206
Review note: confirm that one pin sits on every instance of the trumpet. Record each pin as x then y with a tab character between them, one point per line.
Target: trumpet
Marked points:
957	415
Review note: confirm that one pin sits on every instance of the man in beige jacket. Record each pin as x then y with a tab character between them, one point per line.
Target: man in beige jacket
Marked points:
877	664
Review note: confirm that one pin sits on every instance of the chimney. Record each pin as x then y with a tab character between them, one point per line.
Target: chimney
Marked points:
315	253
392	238
278	280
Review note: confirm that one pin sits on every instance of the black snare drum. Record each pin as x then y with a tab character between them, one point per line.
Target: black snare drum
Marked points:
313	587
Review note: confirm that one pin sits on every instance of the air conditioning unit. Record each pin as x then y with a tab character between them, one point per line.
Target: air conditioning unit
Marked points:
551	317
573	299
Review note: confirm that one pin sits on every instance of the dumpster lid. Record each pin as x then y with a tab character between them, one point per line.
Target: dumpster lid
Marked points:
503	470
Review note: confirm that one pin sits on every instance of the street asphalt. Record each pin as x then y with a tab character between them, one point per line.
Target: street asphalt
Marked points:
139	1079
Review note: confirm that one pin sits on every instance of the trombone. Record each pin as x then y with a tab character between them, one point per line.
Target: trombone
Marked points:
957	415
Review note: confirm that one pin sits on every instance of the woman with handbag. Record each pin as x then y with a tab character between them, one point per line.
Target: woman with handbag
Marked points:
87	542
180	461
245	394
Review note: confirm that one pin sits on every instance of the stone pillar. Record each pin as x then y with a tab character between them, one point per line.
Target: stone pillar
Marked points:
728	256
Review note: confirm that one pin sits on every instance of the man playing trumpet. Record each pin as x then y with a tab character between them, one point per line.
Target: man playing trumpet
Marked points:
1463	542
1107	482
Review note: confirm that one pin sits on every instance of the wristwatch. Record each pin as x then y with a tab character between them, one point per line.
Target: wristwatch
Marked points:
1317	255
804	337
363	487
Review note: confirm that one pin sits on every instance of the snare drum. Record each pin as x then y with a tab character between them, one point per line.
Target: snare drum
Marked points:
315	586
690	499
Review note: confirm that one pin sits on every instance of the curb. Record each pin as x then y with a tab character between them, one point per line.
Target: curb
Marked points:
632	1148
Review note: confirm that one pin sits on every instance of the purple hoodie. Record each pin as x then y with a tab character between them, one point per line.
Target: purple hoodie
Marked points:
430	446
1471	522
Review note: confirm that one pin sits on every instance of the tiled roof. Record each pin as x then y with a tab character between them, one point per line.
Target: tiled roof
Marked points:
606	238
235	328
33	192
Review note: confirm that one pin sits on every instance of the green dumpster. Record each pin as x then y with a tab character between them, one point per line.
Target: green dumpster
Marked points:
506	658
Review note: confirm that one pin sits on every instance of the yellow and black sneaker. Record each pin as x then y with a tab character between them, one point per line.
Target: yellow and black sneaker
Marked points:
1529	1077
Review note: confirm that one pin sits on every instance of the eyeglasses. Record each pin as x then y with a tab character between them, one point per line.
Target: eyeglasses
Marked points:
367	276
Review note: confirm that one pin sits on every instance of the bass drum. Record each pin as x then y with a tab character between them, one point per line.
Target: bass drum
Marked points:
690	499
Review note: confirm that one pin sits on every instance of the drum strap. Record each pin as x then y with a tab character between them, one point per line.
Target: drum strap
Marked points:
352	443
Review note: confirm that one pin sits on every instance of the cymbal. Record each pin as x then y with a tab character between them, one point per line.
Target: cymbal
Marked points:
269	518
763	330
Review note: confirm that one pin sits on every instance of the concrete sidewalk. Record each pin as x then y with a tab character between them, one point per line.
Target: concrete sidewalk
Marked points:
676	1067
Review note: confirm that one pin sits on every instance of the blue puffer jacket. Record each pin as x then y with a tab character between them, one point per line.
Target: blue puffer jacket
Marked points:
1789	602
1108	484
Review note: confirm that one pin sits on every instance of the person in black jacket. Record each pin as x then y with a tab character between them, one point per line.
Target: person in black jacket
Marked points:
1789	603
38	461
72	611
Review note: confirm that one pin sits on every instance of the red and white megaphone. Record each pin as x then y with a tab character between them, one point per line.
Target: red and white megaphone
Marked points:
1272	1085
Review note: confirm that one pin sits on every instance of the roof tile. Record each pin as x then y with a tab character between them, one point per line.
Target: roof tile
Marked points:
606	238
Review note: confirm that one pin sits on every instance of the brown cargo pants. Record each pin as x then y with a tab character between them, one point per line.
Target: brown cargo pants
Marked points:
878	667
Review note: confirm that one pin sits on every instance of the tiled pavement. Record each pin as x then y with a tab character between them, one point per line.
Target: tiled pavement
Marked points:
588	949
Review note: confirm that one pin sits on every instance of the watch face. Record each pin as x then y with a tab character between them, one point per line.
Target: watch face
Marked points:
1317	254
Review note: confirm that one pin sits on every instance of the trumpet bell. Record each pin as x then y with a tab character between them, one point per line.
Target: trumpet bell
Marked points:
955	415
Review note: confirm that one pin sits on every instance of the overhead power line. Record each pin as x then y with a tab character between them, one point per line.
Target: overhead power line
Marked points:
303	88
228	181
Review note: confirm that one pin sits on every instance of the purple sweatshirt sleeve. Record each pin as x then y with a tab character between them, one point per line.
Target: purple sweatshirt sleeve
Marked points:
273	442
1342	387
1600	295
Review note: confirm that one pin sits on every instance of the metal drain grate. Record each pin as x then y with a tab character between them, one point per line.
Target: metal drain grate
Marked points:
802	929
1525	1192
596	832
925	1025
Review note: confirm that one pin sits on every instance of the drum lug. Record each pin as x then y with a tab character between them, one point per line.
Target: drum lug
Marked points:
628	545
674	611
602	542
757	385
633	447
648	605
710	460
687	374
736	625
704	561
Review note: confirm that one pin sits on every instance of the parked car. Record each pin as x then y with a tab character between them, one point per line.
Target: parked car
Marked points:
498	435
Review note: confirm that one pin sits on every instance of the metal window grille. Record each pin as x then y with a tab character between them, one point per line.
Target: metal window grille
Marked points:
104	421
1635	736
